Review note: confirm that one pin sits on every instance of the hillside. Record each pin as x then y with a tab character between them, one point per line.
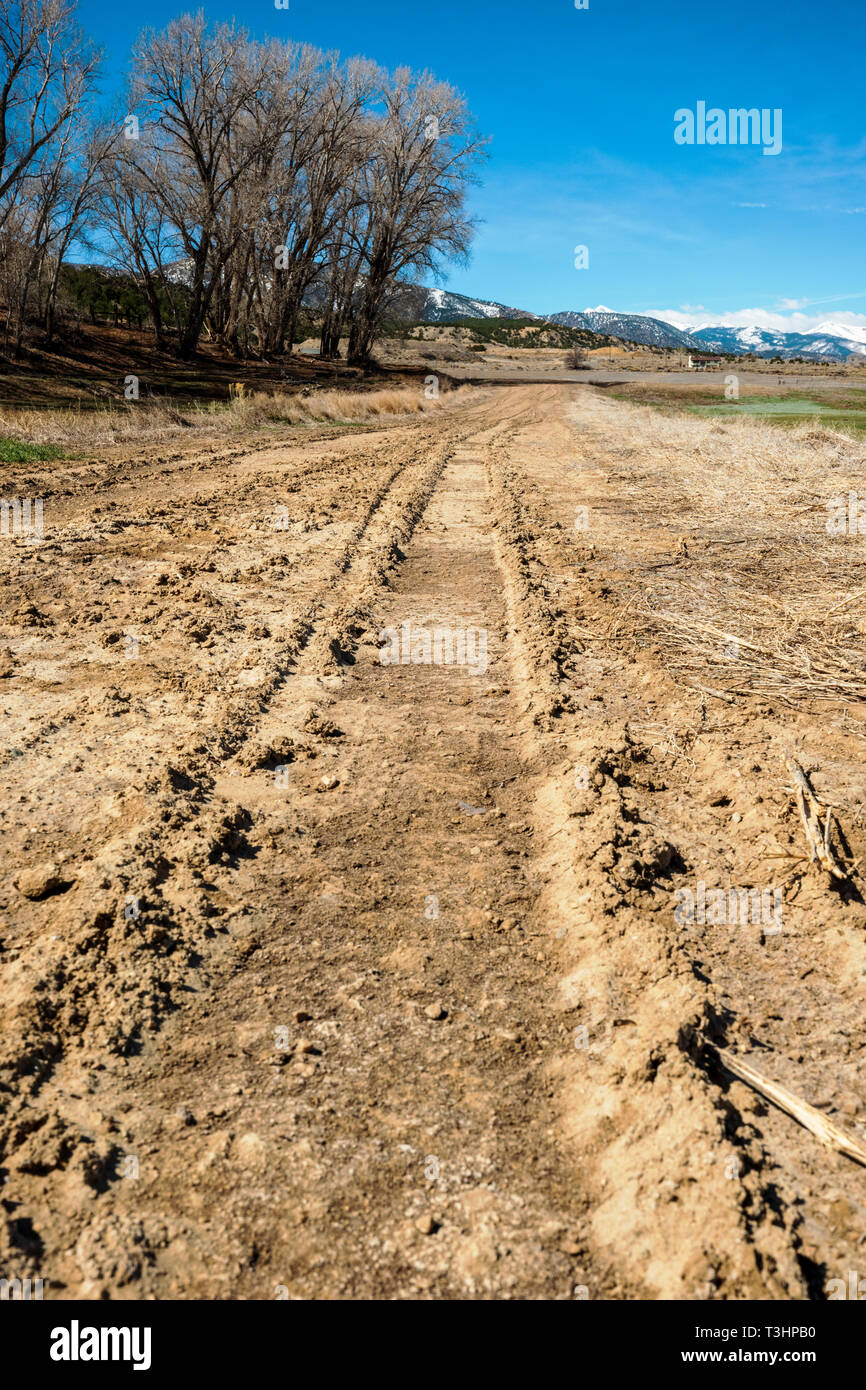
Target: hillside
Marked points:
527	333
632	328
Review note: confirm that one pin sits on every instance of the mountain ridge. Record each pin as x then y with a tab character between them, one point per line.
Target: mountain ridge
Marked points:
829	341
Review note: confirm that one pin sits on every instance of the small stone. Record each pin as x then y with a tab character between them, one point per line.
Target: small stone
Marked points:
426	1225
301	1017
435	1011
185	1116
327	784
40	882
304	1045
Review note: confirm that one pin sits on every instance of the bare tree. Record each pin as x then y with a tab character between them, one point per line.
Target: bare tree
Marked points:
424	154
325	188
46	70
47	75
137	235
195	90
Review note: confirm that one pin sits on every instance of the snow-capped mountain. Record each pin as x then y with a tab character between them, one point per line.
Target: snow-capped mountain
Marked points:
633	328
841	330
443	306
829	342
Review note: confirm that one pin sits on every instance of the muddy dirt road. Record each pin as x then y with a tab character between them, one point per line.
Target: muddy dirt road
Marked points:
331	970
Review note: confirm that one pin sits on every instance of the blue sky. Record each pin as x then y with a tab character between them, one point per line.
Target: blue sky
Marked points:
580	107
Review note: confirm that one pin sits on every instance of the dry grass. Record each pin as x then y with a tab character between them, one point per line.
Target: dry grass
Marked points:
729	567
132	421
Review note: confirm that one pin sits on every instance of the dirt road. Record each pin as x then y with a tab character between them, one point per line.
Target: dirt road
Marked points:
334	970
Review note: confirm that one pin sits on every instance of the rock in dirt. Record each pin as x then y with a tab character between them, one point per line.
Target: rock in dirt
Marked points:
42	881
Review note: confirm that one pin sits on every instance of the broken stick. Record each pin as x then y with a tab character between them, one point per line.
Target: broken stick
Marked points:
817	1123
818	838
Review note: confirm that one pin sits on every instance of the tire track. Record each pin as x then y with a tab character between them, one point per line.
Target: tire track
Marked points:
99	989
684	1199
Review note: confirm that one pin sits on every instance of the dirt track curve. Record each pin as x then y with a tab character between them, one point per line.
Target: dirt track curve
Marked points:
329	978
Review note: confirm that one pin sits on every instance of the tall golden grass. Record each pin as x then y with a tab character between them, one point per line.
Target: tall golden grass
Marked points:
132	421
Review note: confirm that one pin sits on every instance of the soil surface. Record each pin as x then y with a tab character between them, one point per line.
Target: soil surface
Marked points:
332	976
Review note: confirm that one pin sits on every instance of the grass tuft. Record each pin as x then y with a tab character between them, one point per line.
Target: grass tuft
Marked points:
18	451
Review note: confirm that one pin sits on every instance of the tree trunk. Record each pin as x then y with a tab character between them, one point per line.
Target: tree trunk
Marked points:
367	318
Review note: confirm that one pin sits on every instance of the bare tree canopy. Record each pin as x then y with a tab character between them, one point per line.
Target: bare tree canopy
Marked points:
51	149
247	180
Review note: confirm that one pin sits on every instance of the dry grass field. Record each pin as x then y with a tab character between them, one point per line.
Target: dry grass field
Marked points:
133	421
333	970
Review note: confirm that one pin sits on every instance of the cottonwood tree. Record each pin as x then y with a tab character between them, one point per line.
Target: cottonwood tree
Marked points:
194	91
47	74
424	155
47	68
290	101
323	187
137	235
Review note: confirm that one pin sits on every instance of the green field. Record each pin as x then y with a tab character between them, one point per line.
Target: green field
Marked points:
785	410
841	409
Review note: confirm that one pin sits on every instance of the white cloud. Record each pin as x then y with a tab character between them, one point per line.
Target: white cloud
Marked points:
791	322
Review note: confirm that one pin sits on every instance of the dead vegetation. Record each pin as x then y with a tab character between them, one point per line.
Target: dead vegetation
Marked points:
752	570
128	422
